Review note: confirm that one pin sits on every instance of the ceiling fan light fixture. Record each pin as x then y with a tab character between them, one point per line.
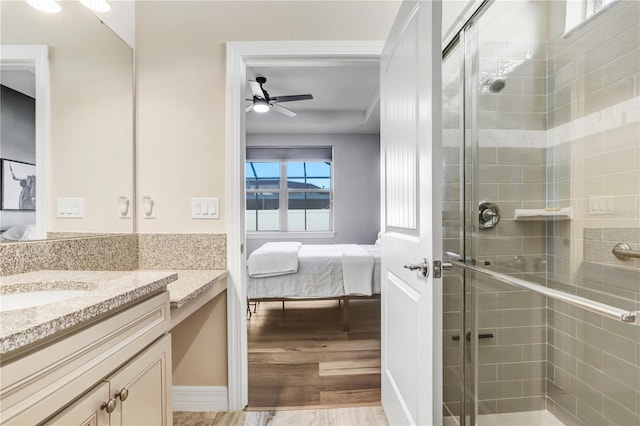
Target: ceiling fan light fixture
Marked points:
97	5
49	6
260	105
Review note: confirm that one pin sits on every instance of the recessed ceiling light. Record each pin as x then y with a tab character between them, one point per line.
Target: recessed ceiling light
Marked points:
97	5
49	6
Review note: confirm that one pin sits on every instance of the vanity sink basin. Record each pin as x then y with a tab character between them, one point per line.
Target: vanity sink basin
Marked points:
13	301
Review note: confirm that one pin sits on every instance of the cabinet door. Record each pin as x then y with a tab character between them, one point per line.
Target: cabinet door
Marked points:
87	410
143	388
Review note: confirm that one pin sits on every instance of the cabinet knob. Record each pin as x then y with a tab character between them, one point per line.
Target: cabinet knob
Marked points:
123	394
109	406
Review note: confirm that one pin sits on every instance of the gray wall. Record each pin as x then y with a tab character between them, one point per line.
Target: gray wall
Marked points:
356	194
17	141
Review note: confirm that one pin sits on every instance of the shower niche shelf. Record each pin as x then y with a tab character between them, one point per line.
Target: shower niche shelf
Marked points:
563	213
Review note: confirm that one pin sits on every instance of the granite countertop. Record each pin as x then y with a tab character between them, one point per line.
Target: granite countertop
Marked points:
107	290
191	284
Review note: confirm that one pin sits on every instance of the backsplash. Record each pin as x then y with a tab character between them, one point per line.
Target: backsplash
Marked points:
116	252
105	253
182	251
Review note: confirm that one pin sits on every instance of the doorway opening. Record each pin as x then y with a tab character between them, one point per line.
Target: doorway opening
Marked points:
313	212
312	176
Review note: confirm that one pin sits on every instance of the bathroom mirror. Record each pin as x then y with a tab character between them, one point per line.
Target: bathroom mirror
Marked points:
85	153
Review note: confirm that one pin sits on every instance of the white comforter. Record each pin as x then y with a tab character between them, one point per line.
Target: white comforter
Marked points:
320	274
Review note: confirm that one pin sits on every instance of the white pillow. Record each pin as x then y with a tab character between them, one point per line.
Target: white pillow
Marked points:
19	233
379	242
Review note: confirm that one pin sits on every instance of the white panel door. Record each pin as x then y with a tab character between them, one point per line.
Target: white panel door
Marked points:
411	145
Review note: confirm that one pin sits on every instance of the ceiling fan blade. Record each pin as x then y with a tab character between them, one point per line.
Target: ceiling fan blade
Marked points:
283	110
291	98
256	89
248	108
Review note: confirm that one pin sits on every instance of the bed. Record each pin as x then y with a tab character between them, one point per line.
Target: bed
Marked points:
293	271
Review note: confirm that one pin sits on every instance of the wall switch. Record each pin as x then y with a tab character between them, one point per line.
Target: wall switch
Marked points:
70	208
205	208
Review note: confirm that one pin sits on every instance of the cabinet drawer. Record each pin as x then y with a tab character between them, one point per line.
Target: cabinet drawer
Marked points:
40	383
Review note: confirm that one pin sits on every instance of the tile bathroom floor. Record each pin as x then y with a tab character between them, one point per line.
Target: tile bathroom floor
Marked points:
357	416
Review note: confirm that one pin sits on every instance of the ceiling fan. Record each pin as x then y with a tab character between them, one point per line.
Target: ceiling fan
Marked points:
262	102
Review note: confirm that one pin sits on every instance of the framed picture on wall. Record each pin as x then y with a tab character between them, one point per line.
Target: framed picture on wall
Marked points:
17	185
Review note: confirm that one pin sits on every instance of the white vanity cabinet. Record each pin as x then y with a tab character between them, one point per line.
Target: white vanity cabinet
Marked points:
114	372
134	395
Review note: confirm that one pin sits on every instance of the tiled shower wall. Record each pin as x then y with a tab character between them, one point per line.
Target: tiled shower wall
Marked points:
564	133
593	165
512	363
512	173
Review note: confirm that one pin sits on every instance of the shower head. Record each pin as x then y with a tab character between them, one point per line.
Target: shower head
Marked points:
497	84
493	84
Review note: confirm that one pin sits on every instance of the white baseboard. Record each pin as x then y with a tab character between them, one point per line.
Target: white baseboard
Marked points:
200	398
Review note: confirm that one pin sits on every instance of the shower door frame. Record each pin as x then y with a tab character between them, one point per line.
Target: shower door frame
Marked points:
466	39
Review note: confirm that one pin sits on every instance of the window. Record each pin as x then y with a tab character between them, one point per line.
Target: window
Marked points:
293	192
263	196
579	11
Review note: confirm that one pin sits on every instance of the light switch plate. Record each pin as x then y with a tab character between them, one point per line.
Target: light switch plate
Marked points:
205	208
70	208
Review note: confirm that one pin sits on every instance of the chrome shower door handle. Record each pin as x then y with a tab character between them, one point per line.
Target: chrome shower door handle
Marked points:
423	267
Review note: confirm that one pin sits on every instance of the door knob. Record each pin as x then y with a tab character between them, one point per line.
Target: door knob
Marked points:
422	267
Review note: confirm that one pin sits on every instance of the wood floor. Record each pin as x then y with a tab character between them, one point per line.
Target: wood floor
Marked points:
362	416
301	358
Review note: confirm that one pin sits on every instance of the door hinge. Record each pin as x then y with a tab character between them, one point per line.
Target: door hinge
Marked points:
241	248
437	269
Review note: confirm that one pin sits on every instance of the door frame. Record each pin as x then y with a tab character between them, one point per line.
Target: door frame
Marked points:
35	57
240	55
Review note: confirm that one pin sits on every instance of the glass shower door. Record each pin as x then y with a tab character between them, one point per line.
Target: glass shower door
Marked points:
507	86
549	154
